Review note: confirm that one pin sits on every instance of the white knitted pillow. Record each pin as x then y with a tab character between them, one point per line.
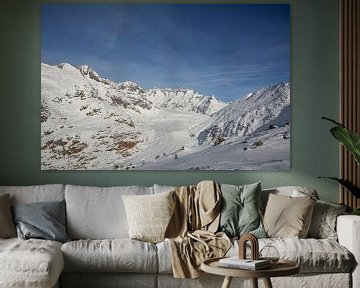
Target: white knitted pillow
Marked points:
149	215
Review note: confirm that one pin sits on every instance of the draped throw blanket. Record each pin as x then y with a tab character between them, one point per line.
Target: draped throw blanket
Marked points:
191	231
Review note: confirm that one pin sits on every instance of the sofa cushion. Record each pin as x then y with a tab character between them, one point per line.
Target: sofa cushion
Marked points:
291	191
287	216
116	255
163	188
313	255
98	213
164	257
323	222
240	210
43	220
34	193
149	215
7	226
30	263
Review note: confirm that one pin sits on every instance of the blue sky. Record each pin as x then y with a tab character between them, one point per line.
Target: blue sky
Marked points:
221	50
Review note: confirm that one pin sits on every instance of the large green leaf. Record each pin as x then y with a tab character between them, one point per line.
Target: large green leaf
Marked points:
348	185
348	138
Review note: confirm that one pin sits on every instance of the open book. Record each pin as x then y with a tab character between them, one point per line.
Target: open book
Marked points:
236	262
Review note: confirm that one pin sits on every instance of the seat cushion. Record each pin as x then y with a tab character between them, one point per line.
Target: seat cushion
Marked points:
30	263
313	255
117	255
164	257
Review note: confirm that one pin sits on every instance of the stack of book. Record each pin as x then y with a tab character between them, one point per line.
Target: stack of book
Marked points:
248	264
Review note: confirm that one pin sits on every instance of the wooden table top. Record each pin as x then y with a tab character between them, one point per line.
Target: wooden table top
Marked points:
281	268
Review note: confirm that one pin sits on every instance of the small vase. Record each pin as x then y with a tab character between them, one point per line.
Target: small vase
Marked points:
270	253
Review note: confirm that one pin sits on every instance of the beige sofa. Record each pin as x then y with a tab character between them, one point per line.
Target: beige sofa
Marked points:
102	255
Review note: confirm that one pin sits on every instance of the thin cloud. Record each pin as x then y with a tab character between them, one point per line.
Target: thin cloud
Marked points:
221	50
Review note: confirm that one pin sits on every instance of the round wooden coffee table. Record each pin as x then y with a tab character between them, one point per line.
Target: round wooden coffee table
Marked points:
281	268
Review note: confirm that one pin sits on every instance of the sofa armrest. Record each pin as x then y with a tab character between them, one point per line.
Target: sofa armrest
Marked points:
348	230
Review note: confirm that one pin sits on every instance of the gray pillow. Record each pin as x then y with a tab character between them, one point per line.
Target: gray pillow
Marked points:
44	220
323	222
240	213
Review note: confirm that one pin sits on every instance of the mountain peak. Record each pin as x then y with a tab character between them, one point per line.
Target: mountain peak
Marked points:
86	70
185	100
131	87
65	66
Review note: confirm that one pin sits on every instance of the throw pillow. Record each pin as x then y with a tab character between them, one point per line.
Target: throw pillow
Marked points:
323	222
291	191
7	226
240	213
44	220
149	215
288	217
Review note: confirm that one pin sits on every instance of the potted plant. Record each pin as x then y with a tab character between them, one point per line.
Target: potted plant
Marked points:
351	141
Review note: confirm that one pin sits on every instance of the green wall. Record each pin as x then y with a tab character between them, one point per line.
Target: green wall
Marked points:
314	94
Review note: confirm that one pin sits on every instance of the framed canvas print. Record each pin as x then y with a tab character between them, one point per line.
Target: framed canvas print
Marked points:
165	87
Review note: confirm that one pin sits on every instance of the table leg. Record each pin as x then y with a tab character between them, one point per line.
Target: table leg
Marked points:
267	283
227	282
254	282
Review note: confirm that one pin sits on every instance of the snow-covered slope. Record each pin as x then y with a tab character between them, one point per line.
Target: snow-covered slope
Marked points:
89	122
85	121
265	108
267	150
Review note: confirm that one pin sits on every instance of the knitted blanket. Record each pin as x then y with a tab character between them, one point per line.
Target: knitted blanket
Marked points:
191	232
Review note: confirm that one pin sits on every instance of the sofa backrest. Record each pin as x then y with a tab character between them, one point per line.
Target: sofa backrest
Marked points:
162	188
98	212
35	193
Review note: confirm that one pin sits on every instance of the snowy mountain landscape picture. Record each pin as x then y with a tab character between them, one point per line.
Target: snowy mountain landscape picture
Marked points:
165	87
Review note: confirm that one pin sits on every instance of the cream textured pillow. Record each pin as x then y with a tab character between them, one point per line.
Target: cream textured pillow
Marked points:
149	215
288	217
7	226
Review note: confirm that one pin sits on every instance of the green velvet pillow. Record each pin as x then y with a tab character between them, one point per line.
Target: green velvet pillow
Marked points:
240	213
